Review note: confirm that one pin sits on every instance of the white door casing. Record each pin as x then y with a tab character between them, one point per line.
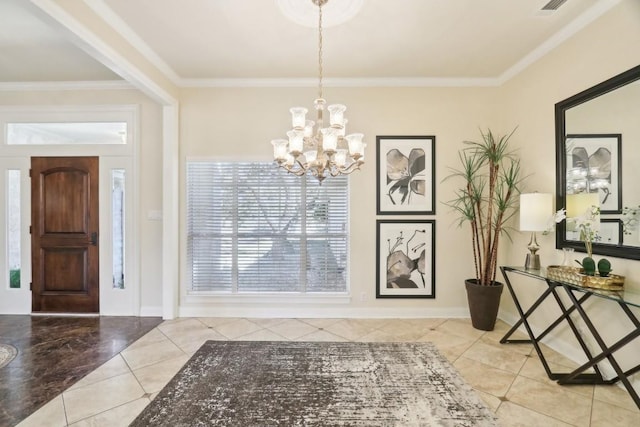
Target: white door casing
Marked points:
113	301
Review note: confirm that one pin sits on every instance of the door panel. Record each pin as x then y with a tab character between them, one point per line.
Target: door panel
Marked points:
64	207
64	211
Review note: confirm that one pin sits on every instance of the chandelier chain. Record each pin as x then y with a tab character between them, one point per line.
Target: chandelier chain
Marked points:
320	49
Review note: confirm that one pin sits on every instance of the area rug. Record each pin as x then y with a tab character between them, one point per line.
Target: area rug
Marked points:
7	354
246	383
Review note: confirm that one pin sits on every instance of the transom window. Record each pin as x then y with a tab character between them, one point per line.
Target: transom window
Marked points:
66	133
253	228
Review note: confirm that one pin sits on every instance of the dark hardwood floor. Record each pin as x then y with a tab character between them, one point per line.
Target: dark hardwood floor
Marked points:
54	352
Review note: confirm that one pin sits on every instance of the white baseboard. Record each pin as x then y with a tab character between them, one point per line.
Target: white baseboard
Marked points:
321	312
14	311
57	314
571	352
561	346
151	311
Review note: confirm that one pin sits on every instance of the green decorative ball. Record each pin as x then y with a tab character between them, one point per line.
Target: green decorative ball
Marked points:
589	266
604	267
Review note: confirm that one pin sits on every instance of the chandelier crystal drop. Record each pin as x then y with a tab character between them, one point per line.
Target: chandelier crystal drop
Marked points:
313	147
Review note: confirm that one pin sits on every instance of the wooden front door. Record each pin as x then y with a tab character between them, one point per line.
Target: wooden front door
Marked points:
64	234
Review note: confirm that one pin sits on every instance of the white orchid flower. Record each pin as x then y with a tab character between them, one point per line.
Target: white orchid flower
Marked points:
554	219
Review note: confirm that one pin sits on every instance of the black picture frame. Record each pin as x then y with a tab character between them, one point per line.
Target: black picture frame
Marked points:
583	150
562	108
410	247
611	232
405	175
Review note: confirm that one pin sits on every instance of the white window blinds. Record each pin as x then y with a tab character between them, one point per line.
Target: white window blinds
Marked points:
254	228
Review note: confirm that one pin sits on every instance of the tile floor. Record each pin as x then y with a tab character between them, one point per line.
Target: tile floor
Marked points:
55	352
509	378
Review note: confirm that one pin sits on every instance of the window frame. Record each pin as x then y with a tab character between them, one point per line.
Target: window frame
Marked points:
189	296
124	113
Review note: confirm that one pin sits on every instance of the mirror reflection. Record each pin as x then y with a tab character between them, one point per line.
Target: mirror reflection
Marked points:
598	154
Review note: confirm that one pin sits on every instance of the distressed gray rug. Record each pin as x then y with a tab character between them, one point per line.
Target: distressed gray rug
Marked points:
246	384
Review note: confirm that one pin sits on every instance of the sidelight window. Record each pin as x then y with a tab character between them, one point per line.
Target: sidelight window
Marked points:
13	226
117	215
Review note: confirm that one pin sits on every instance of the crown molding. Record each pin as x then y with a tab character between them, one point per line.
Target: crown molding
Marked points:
110	17
68	85
590	15
114	20
600	8
341	82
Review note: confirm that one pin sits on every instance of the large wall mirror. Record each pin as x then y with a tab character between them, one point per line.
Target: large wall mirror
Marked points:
598	156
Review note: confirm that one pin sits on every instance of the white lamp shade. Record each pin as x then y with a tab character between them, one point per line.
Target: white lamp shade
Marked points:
279	148
579	205
296	141
535	211
289	160
311	156
336	114
342	130
362	152
355	144
340	157
298	117
308	128
329	139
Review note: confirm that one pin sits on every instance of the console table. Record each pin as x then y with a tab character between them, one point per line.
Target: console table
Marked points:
623	300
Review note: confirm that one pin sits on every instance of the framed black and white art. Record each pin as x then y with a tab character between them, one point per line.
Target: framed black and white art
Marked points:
405	259
405	175
611	231
594	166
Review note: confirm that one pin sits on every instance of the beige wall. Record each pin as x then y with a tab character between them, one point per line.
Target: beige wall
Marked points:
593	55
605	48
150	170
239	123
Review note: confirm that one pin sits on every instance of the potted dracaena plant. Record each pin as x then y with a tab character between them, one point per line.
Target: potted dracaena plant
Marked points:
489	176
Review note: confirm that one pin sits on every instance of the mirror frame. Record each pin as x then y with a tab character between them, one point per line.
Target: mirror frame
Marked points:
619	251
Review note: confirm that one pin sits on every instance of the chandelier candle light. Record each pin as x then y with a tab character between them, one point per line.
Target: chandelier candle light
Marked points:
314	148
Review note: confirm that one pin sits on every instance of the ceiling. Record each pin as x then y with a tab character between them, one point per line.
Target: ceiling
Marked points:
203	41
32	49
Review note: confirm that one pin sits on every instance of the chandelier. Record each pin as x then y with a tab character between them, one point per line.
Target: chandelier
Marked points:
311	146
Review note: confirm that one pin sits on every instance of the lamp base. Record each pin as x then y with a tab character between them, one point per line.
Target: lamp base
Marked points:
532	262
533	259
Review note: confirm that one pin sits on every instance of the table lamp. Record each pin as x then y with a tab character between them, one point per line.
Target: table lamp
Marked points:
535	211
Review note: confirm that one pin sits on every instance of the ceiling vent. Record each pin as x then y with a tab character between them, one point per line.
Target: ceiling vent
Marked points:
553	5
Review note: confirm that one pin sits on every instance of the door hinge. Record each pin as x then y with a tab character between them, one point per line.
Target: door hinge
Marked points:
30	231
30	286
29	173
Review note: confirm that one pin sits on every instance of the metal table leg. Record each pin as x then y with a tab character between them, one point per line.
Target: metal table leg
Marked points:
607	351
551	289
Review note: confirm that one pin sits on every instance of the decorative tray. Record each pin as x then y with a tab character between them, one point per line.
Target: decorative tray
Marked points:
575	276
